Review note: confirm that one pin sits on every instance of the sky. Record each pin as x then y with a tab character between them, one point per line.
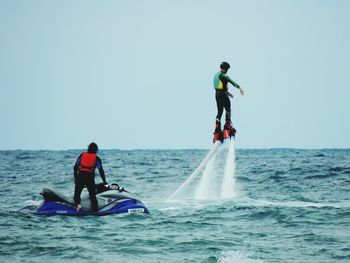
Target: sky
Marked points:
138	74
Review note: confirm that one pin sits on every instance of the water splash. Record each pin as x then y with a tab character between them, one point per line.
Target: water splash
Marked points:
185	185
205	189
217	181
228	183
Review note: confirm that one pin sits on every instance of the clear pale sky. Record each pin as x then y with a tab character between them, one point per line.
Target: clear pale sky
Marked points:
138	74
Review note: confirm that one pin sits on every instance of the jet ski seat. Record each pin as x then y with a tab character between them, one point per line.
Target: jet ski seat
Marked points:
50	195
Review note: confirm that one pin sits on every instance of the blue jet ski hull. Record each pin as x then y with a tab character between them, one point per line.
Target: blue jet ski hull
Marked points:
56	208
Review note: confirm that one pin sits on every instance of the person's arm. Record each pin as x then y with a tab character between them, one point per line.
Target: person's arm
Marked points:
232	82
76	166
100	169
235	85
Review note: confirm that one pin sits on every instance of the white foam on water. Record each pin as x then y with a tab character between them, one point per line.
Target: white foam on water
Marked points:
236	257
32	202
177	205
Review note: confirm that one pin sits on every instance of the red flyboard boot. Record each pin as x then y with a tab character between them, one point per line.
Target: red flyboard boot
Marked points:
229	131
218	134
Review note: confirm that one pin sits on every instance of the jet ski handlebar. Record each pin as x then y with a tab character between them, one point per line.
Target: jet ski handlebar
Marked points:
105	187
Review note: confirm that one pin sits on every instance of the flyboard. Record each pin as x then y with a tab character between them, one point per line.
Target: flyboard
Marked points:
218	140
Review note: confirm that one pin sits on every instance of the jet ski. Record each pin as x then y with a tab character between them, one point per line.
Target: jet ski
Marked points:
111	199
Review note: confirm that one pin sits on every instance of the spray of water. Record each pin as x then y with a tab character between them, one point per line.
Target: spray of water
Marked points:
228	183
218	178
205	189
185	185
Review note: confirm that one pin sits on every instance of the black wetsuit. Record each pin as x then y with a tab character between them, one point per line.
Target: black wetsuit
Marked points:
223	101
221	96
84	178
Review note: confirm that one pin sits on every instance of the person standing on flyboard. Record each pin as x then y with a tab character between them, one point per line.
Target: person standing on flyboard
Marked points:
223	101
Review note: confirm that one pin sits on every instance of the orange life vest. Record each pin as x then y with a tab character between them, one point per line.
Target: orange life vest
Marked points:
88	162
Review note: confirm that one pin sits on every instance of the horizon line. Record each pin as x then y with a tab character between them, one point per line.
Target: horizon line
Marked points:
179	149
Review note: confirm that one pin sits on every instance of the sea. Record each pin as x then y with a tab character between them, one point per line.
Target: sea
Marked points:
246	206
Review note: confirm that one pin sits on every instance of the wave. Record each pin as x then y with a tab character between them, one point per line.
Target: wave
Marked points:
322	176
342	170
297	204
238	202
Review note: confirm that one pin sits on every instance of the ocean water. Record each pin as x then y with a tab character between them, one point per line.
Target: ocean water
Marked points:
286	205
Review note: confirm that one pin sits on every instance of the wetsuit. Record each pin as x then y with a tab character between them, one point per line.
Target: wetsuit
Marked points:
222	98
85	176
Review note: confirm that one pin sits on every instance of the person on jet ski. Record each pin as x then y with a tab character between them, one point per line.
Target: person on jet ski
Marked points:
84	175
222	96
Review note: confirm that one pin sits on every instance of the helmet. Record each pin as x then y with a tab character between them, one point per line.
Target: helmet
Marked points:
93	148
224	65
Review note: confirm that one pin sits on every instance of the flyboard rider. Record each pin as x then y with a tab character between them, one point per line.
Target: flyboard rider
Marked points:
223	101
